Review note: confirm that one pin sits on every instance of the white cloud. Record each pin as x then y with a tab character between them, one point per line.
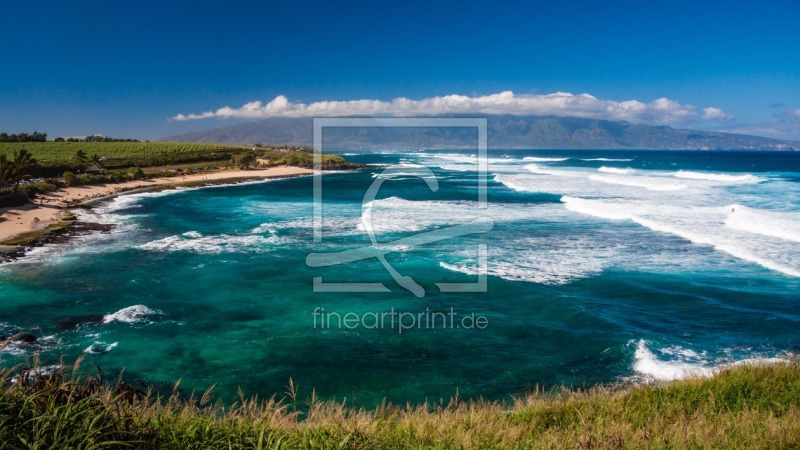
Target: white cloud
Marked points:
660	111
791	115
712	113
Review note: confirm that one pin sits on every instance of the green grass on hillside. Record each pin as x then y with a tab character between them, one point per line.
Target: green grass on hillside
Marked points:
56	157
151	153
743	408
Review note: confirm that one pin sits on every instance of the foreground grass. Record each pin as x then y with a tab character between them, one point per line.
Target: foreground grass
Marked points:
744	407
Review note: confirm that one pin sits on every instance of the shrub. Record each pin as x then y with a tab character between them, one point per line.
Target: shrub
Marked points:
40	187
70	179
136	173
88	178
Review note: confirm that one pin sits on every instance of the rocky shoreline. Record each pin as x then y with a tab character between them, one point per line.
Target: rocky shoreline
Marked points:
58	233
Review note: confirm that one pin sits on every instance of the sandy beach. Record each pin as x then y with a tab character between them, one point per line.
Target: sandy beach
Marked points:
48	208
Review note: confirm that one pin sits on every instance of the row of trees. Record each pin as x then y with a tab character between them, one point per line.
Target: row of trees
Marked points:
93	138
14	169
23	137
42	137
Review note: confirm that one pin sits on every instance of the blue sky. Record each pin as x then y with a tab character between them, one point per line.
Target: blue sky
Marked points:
130	69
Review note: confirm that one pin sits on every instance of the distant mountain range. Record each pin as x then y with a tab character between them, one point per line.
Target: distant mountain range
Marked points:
545	132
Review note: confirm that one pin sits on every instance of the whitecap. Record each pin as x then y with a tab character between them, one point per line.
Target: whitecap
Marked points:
698	225
649	183
648	365
197	243
720	177
131	314
781	225
98	348
542	159
677	363
607	159
615	170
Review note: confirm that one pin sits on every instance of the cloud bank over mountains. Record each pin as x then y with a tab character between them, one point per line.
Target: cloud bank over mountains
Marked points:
660	111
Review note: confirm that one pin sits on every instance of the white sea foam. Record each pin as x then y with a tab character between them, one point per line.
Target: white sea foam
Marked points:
539	170
463	162
648	365
195	242
36	372
541	159
676	363
512	182
721	177
782	225
615	170
704	226
128	201
547	260
649	183
131	314
607	159
395	214
99	347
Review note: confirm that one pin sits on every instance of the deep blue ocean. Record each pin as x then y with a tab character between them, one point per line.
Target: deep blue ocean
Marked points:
602	266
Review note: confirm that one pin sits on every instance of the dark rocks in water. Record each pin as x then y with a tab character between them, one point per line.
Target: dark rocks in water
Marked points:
21	337
77	229
25	337
10	253
73	323
55	234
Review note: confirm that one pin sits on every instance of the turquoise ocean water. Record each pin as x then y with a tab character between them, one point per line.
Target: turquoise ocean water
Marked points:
603	266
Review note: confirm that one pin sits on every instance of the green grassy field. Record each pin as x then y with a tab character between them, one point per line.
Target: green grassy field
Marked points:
745	407
160	154
136	153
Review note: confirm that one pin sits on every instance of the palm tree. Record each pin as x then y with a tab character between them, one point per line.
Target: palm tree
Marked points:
80	157
5	172
18	166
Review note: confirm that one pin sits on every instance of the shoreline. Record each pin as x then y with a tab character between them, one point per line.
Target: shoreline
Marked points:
31	225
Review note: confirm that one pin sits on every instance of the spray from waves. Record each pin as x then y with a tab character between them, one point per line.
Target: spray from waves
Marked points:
195	242
615	170
687	364
538	159
720	177
781	225
697	225
131	314
677	363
